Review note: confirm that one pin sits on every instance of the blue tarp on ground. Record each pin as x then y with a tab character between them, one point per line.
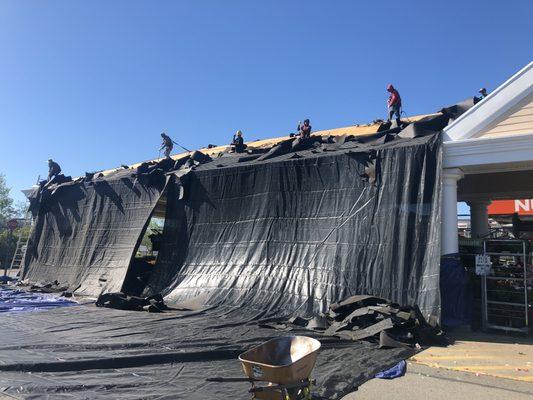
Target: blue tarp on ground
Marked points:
394	372
14	300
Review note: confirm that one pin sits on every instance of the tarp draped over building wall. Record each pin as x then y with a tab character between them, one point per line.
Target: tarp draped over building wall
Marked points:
294	229
302	233
85	233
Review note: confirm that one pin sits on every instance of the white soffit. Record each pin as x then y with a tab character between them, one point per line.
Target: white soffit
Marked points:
509	152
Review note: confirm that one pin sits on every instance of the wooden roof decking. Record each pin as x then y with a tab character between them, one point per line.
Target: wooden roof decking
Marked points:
355	130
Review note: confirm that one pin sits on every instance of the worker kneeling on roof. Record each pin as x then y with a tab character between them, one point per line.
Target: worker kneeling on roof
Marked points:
53	169
167	145
394	103
304	130
237	144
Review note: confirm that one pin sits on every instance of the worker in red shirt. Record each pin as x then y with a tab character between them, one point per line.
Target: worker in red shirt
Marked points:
394	103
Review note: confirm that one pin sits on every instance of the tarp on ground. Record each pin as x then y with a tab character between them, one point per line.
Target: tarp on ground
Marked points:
15	300
95	353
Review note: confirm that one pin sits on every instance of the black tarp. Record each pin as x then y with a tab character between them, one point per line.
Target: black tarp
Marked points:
101	353
295	232
85	233
249	238
299	234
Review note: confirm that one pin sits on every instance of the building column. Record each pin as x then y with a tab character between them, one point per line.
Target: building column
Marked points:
449	241
479	218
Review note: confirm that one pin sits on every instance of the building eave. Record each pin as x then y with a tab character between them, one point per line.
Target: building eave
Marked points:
495	106
490	154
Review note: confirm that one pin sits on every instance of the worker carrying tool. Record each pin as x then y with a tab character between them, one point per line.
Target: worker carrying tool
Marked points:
304	130
167	144
394	103
53	169
237	144
483	93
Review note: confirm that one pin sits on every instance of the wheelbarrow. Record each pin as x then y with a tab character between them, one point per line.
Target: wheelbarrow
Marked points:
284	363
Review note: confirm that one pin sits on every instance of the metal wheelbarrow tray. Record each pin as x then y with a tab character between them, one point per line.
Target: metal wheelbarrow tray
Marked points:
283	360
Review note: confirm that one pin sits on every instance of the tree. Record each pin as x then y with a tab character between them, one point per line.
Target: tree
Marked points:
8	245
7	211
8	239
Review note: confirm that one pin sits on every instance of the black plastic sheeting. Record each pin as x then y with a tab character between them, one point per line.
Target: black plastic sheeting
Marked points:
296	231
112	354
250	238
85	233
302	233
457	299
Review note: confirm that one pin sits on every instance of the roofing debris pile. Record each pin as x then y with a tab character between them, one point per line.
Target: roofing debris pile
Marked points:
364	317
122	301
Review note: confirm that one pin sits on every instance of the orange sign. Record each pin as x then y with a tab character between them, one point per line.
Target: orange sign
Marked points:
509	207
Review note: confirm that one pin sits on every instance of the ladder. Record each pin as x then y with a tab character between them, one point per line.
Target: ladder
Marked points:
20	251
22	242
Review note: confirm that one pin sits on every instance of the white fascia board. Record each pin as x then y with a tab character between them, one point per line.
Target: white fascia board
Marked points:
488	151
496	105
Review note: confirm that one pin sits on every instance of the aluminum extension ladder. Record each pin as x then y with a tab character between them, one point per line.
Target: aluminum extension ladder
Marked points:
22	242
20	251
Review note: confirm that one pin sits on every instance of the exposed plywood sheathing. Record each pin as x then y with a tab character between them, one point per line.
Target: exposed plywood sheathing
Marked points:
355	130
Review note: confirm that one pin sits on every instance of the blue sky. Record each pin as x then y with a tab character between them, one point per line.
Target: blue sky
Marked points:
93	83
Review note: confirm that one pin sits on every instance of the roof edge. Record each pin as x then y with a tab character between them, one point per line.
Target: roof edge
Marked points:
495	105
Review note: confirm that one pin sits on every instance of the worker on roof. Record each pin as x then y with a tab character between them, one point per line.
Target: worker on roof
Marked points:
394	103
237	144
483	93
167	144
53	169
304	130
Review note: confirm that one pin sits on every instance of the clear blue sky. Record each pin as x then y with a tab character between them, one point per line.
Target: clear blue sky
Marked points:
93	83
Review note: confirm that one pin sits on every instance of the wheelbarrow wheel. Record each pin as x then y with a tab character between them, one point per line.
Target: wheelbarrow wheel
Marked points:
307	393
299	394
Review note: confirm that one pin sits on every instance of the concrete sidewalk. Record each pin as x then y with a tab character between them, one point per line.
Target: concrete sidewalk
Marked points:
483	354
476	366
422	383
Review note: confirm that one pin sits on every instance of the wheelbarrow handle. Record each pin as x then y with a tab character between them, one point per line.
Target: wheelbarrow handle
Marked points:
220	379
297	385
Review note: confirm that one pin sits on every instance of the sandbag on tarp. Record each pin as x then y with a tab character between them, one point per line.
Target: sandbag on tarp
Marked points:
299	234
85	233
